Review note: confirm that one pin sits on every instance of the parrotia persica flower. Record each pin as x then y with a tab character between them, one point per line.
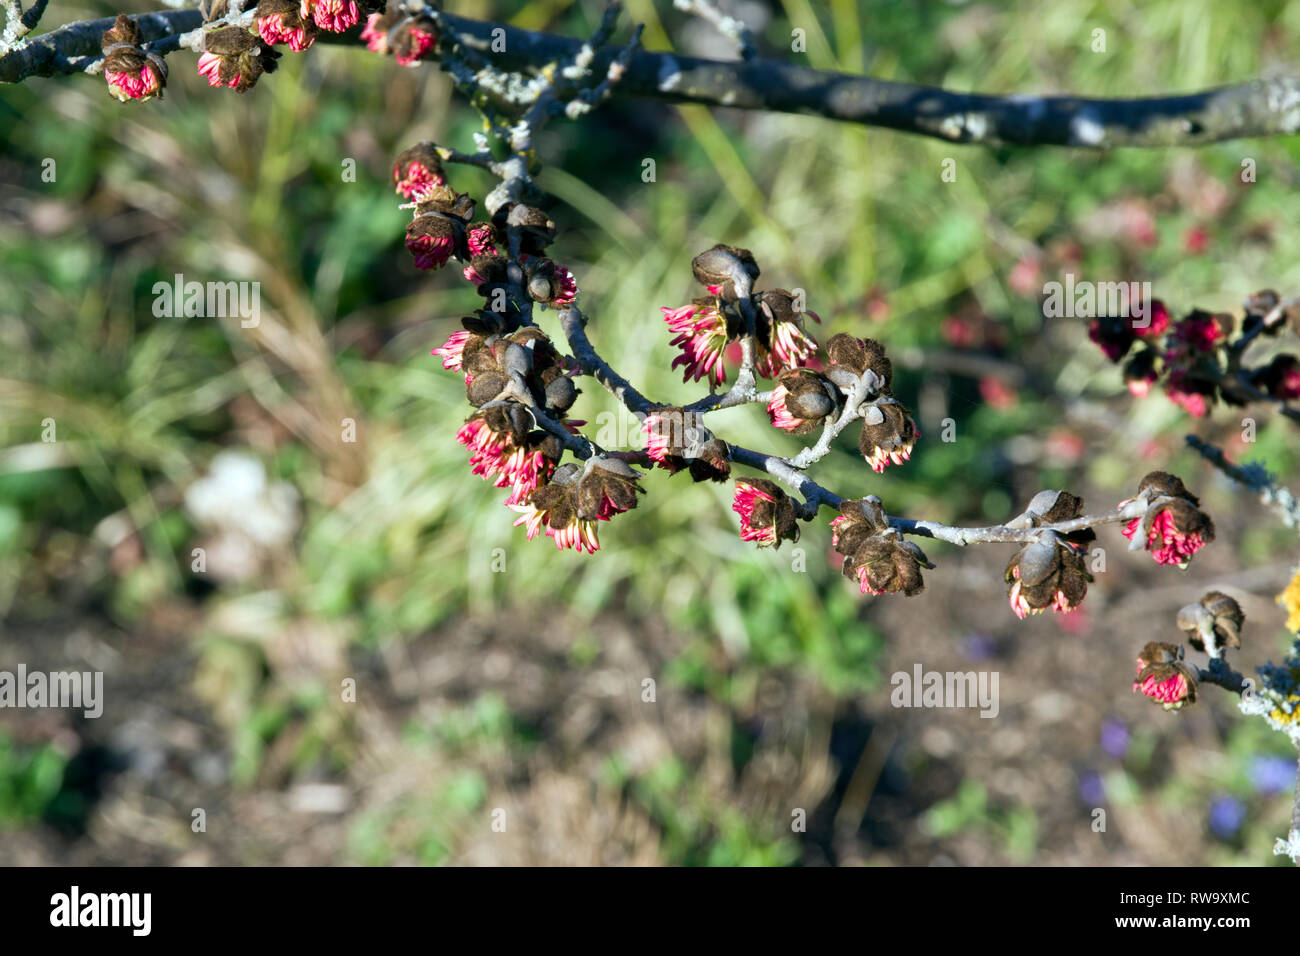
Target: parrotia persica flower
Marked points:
336	16
437	233
876	556
1115	335
506	450
888	431
568	508
283	21
1173	528
1142	371
1049	571
707	328
131	73
235	58
417	170
803	401
548	283
1214	624
1164	677
767	515
719	268
676	439
888	434
503	366
410	44
1280	377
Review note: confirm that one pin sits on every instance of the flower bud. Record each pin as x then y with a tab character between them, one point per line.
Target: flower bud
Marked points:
432	240
561	393
888	434
549	283
767	515
718	267
802	402
1046	572
1173	528
536	230
417	170
608	487
234	58
858	356
885	563
131	73
282	21
1164	677
1214	624
1140	372
1280	377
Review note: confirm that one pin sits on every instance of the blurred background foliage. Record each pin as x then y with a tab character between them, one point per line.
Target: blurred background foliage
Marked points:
383	570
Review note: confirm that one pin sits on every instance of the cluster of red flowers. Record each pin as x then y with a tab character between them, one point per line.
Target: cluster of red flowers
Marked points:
443	229
709	329
515	379
233	57
521	389
1190	357
1048	572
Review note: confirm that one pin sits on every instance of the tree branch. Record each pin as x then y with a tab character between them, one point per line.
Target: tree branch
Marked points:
1256	478
1257	108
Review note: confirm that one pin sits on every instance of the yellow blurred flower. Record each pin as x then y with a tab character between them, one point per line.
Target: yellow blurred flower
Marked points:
1290	599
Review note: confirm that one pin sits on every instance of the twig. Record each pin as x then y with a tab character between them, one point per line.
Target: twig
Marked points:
1255	477
730	27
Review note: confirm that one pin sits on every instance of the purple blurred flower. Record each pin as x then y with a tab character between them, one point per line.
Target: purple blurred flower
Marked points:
1091	788
1227	814
1114	737
1272	774
979	647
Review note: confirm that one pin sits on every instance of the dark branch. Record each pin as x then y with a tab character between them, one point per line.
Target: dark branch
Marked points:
1257	108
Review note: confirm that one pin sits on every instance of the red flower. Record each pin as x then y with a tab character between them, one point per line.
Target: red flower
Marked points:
281	21
1163	677
569	532
336	16
452	352
1172	690
1200	331
375	34
701	334
1174	547
1190	395
1177	528
416	44
210	66
1158	324
481	240
766	513
431	252
139	85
